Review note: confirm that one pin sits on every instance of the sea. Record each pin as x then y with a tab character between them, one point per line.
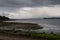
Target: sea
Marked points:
49	25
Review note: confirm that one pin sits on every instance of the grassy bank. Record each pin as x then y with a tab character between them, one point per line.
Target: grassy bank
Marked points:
44	36
32	35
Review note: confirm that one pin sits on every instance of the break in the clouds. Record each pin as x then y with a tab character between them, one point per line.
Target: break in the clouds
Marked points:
30	8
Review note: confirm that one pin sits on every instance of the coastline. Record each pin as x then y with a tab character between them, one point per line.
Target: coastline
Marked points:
14	35
27	26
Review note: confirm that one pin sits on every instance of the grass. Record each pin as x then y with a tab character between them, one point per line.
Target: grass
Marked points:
34	35
47	36
42	35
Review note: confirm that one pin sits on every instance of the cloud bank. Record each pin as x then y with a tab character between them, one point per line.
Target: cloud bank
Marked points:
30	8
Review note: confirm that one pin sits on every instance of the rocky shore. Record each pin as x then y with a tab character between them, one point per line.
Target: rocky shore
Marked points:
27	26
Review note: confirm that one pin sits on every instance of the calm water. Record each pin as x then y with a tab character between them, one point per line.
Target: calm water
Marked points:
49	25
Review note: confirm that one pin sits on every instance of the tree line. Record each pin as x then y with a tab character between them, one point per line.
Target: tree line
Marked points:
3	18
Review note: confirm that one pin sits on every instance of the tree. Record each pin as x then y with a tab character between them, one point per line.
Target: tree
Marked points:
3	18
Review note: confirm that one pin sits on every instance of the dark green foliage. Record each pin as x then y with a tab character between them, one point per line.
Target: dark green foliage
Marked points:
3	18
52	33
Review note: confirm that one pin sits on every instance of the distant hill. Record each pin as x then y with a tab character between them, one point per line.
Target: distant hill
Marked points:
52	18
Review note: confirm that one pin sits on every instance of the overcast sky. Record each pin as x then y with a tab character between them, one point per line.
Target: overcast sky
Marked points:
30	8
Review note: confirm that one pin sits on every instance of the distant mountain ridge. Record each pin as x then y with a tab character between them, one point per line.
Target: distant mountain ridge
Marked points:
38	18
52	18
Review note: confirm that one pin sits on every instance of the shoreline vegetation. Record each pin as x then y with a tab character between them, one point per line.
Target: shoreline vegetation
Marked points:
31	35
8	31
3	18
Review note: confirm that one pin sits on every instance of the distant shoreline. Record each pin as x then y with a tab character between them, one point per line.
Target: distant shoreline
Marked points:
52	18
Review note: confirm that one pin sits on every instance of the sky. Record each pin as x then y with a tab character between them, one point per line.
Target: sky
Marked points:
20	9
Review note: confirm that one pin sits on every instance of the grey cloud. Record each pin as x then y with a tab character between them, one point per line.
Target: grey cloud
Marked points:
22	3
55	2
46	2
14	5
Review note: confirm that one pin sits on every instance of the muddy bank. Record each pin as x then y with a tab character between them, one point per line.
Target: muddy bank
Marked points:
27	26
